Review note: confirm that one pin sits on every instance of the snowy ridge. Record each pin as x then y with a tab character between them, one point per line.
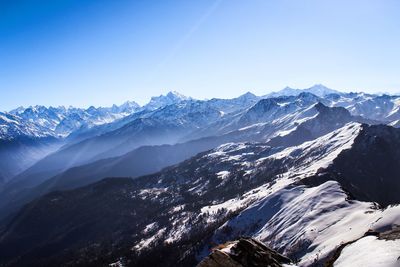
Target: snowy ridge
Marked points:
295	219
307	223
310	152
318	89
383	108
12	127
62	121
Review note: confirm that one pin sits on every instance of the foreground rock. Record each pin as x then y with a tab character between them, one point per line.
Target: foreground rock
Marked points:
242	253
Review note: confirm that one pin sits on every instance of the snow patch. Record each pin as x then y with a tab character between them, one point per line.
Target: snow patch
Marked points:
370	252
223	174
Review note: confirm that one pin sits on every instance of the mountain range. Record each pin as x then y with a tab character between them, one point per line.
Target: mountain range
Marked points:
298	177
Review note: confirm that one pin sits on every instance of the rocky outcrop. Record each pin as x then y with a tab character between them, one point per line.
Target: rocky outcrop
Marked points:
245	252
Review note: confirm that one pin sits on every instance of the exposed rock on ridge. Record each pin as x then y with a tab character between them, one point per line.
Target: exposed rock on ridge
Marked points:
245	252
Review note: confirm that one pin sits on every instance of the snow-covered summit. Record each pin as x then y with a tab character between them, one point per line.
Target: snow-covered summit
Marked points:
317	89
248	96
127	107
170	98
321	90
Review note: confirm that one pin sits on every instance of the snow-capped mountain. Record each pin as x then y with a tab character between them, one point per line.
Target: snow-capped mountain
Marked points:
29	134
126	108
242	102
162	126
266	117
270	109
318	90
384	108
170	98
63	121
12	127
22	143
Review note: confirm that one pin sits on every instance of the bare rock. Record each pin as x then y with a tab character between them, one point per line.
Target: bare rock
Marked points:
245	252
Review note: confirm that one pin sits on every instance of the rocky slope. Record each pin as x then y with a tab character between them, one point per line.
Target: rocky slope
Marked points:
244	253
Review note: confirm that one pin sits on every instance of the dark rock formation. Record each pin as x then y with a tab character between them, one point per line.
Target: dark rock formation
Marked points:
245	252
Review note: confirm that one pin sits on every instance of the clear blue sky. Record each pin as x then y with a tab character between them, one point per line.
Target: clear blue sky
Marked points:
102	52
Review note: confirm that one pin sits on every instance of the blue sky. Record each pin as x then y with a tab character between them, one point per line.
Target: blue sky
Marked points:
103	52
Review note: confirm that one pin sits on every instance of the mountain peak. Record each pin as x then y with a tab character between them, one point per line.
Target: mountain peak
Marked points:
319	85
248	95
129	104
319	106
288	88
17	110
317	89
170	98
171	95
321	90
337	112
308	97
175	95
